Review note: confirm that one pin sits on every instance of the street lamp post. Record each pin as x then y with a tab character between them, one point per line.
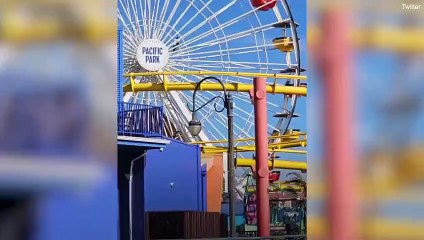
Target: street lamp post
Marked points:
195	127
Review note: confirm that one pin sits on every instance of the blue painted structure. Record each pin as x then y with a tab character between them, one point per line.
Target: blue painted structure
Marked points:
140	120
70	215
177	163
120	63
175	179
133	149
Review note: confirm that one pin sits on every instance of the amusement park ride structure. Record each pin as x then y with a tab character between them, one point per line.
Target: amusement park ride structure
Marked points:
166	47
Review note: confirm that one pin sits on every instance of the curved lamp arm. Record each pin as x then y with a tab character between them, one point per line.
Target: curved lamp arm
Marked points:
194	125
197	88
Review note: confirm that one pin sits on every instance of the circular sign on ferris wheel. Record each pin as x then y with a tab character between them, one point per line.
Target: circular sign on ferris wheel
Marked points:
152	55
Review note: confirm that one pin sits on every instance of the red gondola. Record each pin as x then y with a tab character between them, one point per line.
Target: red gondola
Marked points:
269	4
274	176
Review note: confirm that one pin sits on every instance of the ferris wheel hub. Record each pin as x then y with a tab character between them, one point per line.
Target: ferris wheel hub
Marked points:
152	55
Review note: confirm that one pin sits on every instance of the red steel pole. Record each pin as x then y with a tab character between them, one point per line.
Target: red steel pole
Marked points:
340	152
262	170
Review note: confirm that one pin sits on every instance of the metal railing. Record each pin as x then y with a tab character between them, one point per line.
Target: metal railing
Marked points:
140	120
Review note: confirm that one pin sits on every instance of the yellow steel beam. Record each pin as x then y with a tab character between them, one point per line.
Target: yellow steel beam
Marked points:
290	151
217	73
281	164
93	25
275	147
301	143
208	86
275	186
389	38
373	228
222	150
284	136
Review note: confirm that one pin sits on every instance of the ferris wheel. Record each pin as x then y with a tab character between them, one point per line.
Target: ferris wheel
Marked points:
171	42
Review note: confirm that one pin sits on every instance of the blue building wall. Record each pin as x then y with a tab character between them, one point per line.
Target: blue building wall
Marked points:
70	214
174	180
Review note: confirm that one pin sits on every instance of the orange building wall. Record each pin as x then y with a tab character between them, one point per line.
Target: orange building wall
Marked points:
215	171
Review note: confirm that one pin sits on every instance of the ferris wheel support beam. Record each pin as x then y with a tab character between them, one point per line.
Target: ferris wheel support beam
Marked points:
284	137
231	87
222	150
279	164
341	157
215	73
273	147
258	96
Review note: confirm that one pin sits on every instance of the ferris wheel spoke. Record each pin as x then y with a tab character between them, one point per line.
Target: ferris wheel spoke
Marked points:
176	116
227	39
129	38
176	22
220	120
155	17
187	23
145	17
168	122
219	66
148	16
233	51
128	21
169	18
246	98
173	65
249	121
227	79
127	15
177	108
235	36
202	69
212	28
207	20
223	26
227	65
129	51
230	50
155	97
135	14
256	41
128	33
182	76
237	63
248	101
277	13
142	16
161	17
